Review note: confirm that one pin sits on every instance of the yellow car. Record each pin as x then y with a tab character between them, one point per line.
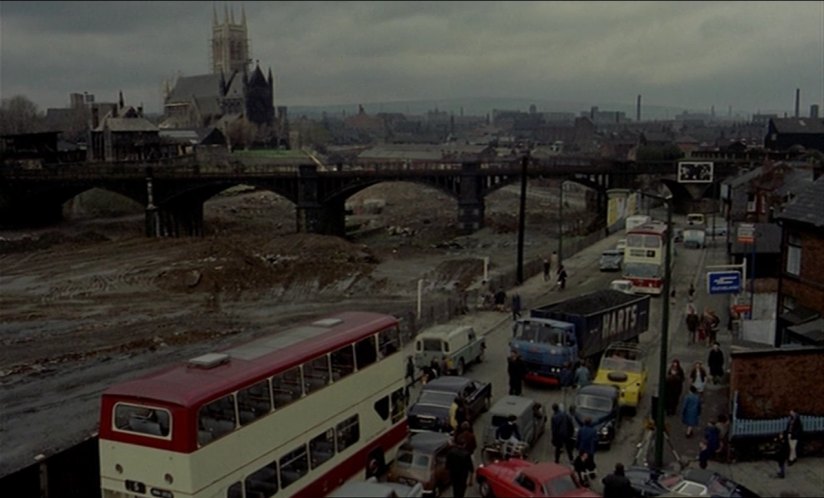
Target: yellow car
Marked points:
623	366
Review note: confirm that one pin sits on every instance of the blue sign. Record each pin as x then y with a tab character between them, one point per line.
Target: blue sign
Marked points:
724	282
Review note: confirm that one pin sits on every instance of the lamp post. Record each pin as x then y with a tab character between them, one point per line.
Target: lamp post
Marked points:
662	364
560	223
521	220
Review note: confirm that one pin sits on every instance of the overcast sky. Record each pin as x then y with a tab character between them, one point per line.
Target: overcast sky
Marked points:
748	55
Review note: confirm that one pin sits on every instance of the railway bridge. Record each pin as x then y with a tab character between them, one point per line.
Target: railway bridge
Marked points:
172	192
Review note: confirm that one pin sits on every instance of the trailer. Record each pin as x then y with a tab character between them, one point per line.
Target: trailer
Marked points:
578	328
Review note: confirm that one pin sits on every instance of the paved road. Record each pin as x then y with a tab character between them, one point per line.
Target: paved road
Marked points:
806	478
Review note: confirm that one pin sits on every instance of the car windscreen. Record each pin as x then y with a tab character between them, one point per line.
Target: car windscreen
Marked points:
432	344
621	364
410	458
559	486
540	333
438	398
589	402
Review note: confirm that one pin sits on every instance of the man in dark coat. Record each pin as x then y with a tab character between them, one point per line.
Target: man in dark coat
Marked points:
588	441
617	485
460	467
715	361
562	430
794	430
516	370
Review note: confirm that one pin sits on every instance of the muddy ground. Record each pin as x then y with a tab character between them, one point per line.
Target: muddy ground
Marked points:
92	301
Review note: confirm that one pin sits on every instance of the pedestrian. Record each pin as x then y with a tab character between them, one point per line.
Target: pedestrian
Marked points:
566	379
410	371
444	366
588	442
516	369
500	299
458	414
712	434
466	438
460	467
427	374
516	306
562	277
584	468
703	453
617	485
715	361
693	321
691	292
673	301
723	425
782	453
675	385
794	431
582	376
435	366
710	321
698	378
547	268
691	410
562	430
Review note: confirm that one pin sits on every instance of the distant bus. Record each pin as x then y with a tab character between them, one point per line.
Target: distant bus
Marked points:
296	413
644	257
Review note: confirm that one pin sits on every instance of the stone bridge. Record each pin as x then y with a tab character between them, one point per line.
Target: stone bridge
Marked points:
173	191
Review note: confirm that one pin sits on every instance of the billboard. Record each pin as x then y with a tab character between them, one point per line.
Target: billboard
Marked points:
695	172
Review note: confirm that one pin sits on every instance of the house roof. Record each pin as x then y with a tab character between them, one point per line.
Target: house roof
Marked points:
807	206
798	125
129	124
744	178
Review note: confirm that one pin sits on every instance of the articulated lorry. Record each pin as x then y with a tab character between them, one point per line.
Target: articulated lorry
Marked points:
578	328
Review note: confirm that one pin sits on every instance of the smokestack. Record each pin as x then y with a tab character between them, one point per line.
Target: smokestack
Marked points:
638	109
814	111
797	101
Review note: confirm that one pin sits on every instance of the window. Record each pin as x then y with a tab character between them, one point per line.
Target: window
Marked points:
316	374
322	448
525	482
430	345
366	352
235	491
389	341
343	362
254	402
142	420
348	433
263	483
382	407
216	419
293	466
398	405
286	387
794	255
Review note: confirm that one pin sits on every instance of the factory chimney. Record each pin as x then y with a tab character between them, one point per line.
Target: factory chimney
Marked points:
797	101
638	109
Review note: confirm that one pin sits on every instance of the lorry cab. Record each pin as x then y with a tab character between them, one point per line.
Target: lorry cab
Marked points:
544	345
460	345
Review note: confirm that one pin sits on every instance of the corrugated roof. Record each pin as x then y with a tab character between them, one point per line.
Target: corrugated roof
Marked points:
808	206
744	178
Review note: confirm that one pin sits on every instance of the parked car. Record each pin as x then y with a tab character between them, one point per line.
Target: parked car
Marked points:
691	482
516	477
623	366
460	345
611	260
621	285
431	410
600	404
531	420
371	488
421	459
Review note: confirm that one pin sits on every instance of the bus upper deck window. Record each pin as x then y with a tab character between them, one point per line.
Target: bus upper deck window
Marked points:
142	419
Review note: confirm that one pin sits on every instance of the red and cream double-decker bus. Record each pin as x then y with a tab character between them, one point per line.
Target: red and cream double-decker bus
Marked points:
645	257
296	413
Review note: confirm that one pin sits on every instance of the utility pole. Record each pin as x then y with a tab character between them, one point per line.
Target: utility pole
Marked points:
560	223
522	219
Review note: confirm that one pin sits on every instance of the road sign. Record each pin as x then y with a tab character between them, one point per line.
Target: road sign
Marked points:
741	308
695	172
723	282
746	233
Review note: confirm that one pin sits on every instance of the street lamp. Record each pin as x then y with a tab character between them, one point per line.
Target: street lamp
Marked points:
662	367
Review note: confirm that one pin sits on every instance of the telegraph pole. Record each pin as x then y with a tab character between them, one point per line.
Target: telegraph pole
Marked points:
522	220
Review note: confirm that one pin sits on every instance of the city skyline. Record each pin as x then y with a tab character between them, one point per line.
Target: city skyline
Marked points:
694	55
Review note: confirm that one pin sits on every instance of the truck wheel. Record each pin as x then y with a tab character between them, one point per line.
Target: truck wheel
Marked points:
461	368
485	489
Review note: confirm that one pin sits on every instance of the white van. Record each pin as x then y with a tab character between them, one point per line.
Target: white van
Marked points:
461	346
695	219
694	238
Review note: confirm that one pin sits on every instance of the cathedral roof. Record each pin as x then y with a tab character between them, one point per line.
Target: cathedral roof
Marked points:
201	85
257	78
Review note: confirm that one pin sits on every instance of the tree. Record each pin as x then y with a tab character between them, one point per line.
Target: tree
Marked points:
18	114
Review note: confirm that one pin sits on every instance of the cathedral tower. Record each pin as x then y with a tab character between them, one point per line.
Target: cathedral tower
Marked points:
230	44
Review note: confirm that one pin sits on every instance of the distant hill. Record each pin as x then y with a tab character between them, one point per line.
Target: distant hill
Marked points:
481	106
